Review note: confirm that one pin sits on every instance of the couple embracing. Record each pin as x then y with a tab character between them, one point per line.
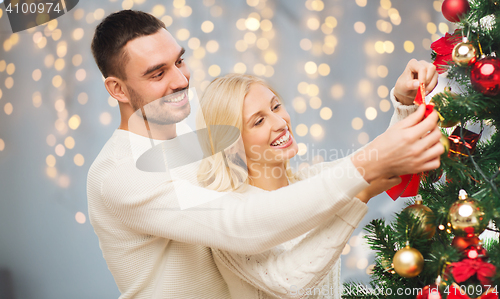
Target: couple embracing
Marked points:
267	231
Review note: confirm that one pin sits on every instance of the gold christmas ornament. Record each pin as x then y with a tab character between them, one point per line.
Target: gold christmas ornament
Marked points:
445	142
464	53
408	262
426	228
467	216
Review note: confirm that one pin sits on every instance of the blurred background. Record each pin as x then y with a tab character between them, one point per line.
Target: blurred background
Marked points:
334	63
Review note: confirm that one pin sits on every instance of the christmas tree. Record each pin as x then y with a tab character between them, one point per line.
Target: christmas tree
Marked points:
432	249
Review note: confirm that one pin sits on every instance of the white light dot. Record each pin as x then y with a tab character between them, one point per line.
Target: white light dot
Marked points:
359	27
357	123
105	118
371	113
302	149
60	150
80	217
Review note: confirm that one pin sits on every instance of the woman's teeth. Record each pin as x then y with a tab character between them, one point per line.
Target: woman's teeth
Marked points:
284	139
176	99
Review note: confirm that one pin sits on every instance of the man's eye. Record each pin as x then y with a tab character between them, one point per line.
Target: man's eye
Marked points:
259	121
180	61
158	75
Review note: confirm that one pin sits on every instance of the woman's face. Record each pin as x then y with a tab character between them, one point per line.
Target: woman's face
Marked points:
266	128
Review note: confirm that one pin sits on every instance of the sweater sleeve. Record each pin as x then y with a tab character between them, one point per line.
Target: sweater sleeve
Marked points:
247	224
288	273
401	112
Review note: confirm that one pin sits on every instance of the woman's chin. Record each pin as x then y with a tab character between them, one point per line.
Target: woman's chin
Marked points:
290	152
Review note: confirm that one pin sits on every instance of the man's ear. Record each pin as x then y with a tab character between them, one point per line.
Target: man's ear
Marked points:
117	89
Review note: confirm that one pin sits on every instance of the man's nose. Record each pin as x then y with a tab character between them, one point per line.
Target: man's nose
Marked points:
178	81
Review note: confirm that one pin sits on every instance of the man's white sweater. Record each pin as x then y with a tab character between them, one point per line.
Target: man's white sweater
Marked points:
154	249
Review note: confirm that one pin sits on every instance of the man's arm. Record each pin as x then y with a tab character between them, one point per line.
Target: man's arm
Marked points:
247	224
279	272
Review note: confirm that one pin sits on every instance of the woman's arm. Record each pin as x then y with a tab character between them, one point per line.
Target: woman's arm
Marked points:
283	273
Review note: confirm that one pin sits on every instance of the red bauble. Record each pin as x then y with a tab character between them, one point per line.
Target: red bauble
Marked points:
461	243
454	9
485	76
429	292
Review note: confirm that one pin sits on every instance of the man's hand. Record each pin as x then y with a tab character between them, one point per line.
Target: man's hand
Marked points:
410	146
378	186
416	72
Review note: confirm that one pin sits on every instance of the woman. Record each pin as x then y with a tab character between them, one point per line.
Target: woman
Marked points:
259	162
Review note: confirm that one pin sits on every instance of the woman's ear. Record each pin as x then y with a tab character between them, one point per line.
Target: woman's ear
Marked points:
117	89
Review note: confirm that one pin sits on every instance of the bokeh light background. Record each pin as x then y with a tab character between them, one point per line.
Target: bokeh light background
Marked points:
334	62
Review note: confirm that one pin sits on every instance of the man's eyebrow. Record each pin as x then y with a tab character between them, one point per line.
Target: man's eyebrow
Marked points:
160	65
258	112
153	68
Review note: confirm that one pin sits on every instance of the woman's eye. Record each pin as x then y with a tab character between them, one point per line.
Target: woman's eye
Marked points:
259	121
158	75
277	107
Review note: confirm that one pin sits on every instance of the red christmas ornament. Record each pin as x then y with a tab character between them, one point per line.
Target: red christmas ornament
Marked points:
485	76
475	251
453	10
461	243
429	292
410	182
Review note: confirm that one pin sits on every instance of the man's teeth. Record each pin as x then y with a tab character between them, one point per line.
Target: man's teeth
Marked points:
176	99
284	139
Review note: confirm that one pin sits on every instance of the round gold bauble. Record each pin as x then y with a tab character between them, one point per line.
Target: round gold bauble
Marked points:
408	262
464	54
426	228
467	218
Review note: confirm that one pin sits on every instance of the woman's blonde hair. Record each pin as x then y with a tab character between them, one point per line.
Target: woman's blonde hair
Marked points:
221	111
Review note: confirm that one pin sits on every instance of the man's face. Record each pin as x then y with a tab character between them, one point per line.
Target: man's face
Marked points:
157	78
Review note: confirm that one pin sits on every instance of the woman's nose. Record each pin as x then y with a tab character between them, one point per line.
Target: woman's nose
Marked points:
279	124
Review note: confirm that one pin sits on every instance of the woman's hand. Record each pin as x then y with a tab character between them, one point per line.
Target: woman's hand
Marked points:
416	72
378	186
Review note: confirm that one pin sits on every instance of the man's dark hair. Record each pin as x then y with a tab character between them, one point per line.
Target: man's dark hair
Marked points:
114	32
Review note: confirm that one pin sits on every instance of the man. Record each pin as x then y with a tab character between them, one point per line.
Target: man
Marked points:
153	248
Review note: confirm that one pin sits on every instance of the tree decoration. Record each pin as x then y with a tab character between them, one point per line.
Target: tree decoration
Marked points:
466	268
464	53
475	251
462	243
408	262
453	10
458	146
443	48
467	216
426	227
470	165
485	76
445	141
